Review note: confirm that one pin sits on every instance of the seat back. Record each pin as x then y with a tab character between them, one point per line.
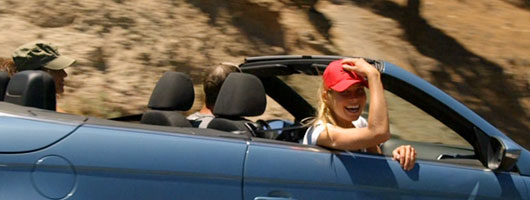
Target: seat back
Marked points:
33	88
241	95
4	80
172	94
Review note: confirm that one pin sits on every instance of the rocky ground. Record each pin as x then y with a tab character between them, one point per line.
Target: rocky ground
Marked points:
477	51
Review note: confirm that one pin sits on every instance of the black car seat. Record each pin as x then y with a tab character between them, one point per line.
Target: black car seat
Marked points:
33	88
4	80
172	94
241	95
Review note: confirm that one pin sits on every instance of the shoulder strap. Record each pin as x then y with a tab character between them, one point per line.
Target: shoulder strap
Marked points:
204	123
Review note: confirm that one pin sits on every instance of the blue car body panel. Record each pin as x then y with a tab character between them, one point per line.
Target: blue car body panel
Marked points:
25	135
526	180
120	163
283	171
170	166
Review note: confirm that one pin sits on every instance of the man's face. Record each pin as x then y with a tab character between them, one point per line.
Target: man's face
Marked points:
58	77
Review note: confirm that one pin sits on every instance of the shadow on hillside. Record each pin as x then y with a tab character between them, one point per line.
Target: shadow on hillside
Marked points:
524	4
319	21
480	75
255	21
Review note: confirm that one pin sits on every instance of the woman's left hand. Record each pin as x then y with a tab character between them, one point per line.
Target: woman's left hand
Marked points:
406	155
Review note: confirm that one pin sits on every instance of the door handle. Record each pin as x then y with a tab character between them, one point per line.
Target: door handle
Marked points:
273	198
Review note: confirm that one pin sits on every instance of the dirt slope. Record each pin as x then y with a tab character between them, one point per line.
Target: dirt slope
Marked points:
475	50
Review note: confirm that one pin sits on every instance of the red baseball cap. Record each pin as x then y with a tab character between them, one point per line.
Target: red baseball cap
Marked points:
338	79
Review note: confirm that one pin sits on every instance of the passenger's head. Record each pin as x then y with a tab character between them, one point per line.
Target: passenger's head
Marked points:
213	80
342	97
45	56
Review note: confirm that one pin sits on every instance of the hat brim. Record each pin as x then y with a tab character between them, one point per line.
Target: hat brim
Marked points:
345	84
59	63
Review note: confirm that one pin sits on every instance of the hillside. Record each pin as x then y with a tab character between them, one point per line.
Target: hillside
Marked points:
477	51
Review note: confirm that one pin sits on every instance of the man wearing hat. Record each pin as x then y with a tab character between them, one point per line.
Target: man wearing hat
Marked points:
44	56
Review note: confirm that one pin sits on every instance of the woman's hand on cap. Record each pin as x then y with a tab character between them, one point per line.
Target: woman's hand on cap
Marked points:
359	66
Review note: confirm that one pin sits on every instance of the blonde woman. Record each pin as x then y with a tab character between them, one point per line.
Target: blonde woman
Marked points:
339	124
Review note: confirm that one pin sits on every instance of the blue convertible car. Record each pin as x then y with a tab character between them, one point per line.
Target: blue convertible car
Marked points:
160	155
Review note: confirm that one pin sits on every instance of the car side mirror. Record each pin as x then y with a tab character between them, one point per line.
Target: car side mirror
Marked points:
494	152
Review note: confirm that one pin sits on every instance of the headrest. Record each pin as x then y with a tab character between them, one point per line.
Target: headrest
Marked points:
4	79
34	88
165	118
241	95
174	91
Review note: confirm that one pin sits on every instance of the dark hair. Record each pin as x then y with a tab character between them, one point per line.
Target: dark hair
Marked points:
213	81
7	65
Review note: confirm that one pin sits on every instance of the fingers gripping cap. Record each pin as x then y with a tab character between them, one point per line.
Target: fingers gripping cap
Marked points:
34	55
338	79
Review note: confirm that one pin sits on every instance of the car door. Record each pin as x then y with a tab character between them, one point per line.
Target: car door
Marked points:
279	170
428	179
113	160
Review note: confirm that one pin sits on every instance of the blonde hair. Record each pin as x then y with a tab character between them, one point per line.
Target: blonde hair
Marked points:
7	65
324	112
324	115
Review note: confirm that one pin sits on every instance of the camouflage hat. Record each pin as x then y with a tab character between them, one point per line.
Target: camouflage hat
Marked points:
34	55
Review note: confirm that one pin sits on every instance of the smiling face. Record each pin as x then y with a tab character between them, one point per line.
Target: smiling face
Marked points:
346	106
58	77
